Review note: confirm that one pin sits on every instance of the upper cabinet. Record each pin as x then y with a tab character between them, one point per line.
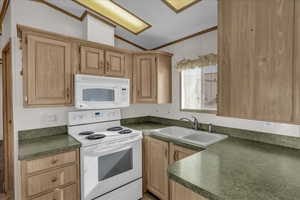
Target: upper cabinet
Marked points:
152	78
51	60
115	64
47	71
97	61
256	59
92	61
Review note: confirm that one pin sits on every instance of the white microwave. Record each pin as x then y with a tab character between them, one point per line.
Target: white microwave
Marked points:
98	92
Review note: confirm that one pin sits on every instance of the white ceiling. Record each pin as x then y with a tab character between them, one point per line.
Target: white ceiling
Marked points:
167	25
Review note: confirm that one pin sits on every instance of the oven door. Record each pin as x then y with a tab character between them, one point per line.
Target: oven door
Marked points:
106	168
89	96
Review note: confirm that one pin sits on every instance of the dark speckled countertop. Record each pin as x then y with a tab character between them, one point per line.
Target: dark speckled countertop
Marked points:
238	169
33	145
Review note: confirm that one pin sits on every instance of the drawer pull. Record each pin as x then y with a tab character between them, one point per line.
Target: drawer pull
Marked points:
54	161
54	179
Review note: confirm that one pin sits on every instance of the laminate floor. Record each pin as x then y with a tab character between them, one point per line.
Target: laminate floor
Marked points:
1	167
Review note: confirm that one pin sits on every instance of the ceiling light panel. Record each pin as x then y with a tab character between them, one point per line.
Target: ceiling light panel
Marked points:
116	13
179	5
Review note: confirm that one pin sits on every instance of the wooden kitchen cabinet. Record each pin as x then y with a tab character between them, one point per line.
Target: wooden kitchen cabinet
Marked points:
178	191
51	177
152	78
92	61
256	59
157	155
115	64
296	74
47	70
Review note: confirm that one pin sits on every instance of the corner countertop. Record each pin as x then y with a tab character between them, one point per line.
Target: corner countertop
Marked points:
238	169
34	148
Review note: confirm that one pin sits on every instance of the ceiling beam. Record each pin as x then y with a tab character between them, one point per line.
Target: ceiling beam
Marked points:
187	37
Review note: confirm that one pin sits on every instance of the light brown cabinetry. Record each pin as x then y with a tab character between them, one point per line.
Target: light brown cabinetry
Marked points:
47	71
96	61
51	60
51	177
256	59
152	78
158	155
115	64
92	61
178	191
296	74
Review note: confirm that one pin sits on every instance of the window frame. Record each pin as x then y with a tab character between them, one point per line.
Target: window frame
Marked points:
195	110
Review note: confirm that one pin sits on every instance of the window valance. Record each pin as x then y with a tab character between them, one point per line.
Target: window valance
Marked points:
201	61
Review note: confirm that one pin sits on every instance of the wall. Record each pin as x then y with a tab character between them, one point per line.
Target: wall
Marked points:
98	31
190	49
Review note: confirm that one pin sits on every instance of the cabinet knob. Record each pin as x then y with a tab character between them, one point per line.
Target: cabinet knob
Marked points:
54	161
54	179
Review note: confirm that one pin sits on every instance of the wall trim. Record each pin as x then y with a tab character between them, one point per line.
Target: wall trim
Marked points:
3	13
129	42
187	37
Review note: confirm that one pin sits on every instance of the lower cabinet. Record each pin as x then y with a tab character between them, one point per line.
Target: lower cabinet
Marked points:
51	177
158	155
157	160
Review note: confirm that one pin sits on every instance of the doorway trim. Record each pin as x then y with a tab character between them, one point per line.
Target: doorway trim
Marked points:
8	130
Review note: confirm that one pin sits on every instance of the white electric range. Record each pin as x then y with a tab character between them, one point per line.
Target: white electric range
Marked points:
110	155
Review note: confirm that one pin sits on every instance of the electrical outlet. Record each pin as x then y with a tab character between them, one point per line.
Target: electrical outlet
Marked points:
49	119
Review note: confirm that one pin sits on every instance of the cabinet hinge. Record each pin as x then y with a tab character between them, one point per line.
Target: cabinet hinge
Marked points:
26	99
22	72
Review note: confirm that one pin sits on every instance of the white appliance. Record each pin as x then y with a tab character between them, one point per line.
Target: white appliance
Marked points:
110	155
97	92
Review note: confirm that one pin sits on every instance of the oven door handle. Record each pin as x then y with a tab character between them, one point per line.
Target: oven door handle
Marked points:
117	148
112	150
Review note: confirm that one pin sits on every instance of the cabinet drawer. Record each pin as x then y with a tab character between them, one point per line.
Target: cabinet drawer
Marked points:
67	193
51	161
50	180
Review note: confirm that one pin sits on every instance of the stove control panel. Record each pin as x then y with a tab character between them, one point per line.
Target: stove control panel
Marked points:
93	116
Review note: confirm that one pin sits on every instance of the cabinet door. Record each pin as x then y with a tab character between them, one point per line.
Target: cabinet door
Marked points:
92	61
273	67
178	153
296	113
157	164
67	193
145	78
48	74
255	77
179	192
115	64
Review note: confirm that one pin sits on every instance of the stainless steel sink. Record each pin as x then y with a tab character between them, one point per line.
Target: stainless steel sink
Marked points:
199	138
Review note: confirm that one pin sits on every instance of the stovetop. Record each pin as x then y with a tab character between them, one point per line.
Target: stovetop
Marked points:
89	134
96	127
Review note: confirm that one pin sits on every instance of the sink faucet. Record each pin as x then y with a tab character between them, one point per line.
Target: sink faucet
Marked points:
194	122
210	127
